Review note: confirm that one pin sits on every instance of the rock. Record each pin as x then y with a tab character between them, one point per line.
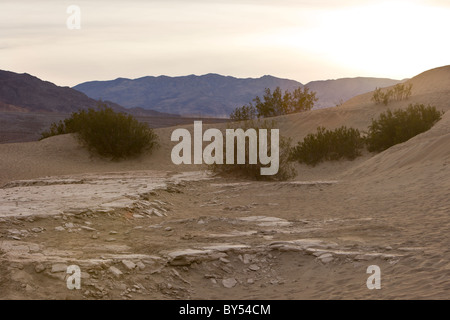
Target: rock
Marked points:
69	225
224	260
110	239
129	264
137	216
246	258
168	229
59	267
59	228
115	272
39	268
87	228
326	257
229	283
250	281
188	256
113	232
254	267
37	230
140	265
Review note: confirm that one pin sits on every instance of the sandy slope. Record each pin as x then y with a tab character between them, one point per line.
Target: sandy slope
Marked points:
390	209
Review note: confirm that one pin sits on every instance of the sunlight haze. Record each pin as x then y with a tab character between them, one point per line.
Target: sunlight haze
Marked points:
299	40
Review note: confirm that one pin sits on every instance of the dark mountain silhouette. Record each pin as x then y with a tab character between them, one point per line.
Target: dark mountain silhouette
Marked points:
26	93
211	94
216	95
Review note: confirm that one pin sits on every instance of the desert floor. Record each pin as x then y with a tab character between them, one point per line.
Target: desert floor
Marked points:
171	234
148	229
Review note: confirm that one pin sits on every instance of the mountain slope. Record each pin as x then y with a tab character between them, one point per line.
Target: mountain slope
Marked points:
216	95
27	93
210	94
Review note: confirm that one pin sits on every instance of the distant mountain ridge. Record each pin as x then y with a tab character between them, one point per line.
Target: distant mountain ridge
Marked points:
27	93
217	95
210	94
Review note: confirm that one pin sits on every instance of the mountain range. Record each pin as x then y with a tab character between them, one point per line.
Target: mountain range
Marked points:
27	93
217	95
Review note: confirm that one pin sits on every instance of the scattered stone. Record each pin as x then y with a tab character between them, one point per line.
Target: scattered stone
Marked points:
37	229
59	228
254	267
110	239
326	257
113	232
224	260
39	268
168	229
229	283
140	265
137	216
116	272
69	225
59	267
250	281
94	236
247	258
16	238
129	264
214	281
362	257
87	228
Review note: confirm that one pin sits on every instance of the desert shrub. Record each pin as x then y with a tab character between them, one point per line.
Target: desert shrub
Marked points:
399	92
329	145
253	171
244	113
108	133
393	127
276	103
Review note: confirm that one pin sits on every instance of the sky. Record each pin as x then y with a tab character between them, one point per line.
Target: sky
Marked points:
303	40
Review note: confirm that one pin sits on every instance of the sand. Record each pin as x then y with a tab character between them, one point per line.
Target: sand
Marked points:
147	229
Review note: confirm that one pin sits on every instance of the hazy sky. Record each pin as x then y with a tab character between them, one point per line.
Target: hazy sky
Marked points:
303	40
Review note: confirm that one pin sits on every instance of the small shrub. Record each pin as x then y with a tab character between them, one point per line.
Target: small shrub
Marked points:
253	171
400	125
107	133
399	92
276	103
329	145
244	113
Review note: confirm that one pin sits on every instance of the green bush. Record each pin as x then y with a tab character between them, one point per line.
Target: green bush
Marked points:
329	145
400	125
399	92
244	113
286	169
276	103
107	133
